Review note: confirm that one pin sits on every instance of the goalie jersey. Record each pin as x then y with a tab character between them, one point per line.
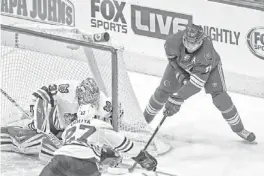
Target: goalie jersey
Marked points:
85	139
62	102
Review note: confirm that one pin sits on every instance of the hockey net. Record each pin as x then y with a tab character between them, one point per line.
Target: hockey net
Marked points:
33	56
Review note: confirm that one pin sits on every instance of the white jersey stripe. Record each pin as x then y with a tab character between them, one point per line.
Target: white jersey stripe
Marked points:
234	120
174	101
151	110
195	84
151	113
198	79
194	79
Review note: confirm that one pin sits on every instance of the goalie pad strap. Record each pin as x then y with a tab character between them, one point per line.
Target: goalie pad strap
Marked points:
20	140
40	117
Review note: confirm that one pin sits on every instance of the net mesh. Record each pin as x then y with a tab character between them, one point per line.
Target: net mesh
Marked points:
29	62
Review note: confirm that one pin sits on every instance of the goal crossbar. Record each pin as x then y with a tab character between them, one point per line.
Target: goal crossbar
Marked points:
57	38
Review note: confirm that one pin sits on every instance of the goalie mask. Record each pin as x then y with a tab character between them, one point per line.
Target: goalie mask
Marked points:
88	92
193	37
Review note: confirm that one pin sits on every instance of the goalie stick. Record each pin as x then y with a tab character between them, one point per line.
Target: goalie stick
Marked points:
15	103
47	133
149	141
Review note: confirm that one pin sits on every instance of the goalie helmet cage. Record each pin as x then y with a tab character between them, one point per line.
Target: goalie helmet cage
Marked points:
34	56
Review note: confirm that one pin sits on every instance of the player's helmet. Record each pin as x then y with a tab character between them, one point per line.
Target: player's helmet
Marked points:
193	37
88	92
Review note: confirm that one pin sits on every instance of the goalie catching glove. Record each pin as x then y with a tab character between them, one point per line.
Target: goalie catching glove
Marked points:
145	160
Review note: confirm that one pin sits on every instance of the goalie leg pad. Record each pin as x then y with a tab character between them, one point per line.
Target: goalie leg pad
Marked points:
22	140
40	121
5	140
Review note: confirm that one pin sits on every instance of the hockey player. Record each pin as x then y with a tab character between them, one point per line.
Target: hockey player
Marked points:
55	106
194	64
91	143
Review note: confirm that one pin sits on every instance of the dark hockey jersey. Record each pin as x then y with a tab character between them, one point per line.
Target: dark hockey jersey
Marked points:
198	64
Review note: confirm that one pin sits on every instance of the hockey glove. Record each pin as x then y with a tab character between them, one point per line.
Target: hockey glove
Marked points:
146	160
182	77
173	105
109	157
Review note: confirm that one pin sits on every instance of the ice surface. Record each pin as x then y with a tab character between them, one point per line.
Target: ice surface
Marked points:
203	144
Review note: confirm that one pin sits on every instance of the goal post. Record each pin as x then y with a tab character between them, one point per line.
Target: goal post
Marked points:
33	56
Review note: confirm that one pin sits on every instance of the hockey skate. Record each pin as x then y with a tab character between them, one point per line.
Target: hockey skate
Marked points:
247	135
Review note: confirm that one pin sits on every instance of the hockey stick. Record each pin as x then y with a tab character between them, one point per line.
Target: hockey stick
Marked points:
149	141
48	134
15	103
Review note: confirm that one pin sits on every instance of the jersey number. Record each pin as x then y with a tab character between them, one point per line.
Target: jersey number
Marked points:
85	130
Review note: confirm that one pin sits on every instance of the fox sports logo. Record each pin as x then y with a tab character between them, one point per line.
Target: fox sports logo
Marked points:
255	41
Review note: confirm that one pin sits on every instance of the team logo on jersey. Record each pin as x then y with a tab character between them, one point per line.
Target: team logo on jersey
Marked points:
187	57
255	41
207	56
167	83
53	89
108	106
192	34
214	84
64	88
